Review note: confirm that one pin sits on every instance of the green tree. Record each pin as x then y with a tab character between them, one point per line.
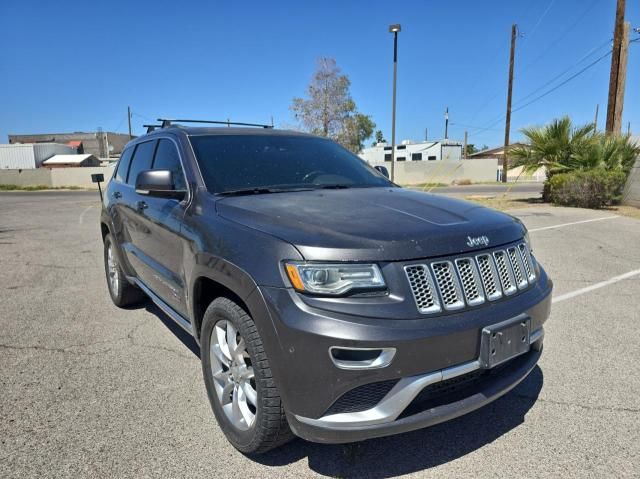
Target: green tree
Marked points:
563	148
379	138
471	149
356	129
329	109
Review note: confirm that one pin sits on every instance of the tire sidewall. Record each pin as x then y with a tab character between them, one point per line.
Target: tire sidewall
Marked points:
242	440
108	242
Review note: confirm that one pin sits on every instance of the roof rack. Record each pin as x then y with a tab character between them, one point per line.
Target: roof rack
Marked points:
166	123
151	128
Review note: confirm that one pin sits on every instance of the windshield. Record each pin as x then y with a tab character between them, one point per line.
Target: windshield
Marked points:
238	162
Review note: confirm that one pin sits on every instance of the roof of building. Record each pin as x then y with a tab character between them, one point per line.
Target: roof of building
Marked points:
66	159
74	143
499	150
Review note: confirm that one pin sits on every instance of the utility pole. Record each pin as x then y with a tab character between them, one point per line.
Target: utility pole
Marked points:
595	120
507	127
622	77
129	119
446	124
629	128
616	97
464	148
426	134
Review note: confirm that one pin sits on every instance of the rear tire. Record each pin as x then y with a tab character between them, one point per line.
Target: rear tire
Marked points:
121	291
239	382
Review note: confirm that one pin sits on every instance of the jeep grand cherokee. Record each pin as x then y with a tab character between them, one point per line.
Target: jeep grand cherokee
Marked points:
327	301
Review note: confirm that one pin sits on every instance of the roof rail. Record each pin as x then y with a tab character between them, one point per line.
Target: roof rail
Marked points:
165	123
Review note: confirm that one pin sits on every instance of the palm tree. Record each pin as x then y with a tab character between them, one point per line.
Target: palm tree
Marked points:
561	147
554	146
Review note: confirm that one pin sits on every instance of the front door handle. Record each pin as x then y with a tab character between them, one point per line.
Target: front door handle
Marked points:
141	205
117	195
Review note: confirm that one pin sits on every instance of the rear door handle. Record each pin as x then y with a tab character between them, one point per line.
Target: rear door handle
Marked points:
117	195
141	205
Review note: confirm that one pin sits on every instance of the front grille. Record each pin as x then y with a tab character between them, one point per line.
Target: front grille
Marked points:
472	281
361	398
448	285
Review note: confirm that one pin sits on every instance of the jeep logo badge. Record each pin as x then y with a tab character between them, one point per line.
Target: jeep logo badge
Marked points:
477	241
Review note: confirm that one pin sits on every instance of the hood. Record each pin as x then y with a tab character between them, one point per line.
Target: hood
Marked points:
371	224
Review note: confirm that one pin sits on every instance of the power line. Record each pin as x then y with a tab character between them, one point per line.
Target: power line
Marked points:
520	100
565	32
587	55
564	82
544	14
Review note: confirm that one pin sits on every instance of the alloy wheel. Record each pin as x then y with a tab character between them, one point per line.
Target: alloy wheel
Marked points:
233	375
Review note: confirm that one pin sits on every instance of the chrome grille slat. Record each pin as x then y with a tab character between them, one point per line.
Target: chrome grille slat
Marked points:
422	287
489	275
516	265
527	262
448	285
505	272
470	280
467	281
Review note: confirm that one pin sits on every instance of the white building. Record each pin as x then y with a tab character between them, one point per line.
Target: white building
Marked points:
30	155
442	150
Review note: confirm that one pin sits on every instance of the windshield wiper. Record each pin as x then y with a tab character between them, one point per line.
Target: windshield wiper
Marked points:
260	190
335	186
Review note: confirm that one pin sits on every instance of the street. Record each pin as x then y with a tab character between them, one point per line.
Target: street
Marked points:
90	390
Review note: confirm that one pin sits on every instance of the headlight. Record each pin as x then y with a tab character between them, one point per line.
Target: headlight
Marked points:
334	279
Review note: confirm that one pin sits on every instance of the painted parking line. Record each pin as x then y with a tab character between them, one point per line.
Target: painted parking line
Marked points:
602	284
562	225
86	210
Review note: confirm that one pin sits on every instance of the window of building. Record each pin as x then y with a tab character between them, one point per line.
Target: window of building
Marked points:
123	165
402	147
387	157
401	158
167	158
431	158
416	156
387	148
142	159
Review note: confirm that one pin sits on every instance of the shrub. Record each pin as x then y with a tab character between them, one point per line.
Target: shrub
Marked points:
586	189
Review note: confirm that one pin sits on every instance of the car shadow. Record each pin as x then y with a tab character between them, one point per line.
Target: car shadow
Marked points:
404	453
419	450
184	337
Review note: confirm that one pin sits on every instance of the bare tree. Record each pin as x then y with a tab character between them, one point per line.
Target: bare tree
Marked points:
329	109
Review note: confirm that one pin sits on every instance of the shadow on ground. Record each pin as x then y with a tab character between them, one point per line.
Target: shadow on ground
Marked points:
404	453
418	450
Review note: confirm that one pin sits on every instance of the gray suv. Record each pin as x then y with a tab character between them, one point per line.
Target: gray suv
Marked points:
327	301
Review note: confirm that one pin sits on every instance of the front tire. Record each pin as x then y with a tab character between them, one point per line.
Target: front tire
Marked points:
121	291
239	381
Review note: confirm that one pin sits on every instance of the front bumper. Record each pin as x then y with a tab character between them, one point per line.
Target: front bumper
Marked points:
332	433
428	350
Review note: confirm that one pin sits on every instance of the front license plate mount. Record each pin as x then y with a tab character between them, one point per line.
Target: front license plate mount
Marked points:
504	341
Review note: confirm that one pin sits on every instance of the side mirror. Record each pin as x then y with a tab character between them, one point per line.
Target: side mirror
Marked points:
382	169
157	183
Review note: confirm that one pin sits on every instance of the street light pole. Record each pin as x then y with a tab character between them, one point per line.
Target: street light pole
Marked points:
394	29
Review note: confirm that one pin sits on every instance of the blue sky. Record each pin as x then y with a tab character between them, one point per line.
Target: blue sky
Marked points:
72	65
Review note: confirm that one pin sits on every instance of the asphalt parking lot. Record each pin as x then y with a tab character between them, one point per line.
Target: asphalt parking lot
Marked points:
90	390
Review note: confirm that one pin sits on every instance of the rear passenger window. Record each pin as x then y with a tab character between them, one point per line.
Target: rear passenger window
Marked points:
123	165
141	160
167	159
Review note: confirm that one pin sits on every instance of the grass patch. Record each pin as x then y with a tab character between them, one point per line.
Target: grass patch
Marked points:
504	202
625	210
37	188
424	186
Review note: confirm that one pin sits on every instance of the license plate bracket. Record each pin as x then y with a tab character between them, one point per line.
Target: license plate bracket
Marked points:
504	341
